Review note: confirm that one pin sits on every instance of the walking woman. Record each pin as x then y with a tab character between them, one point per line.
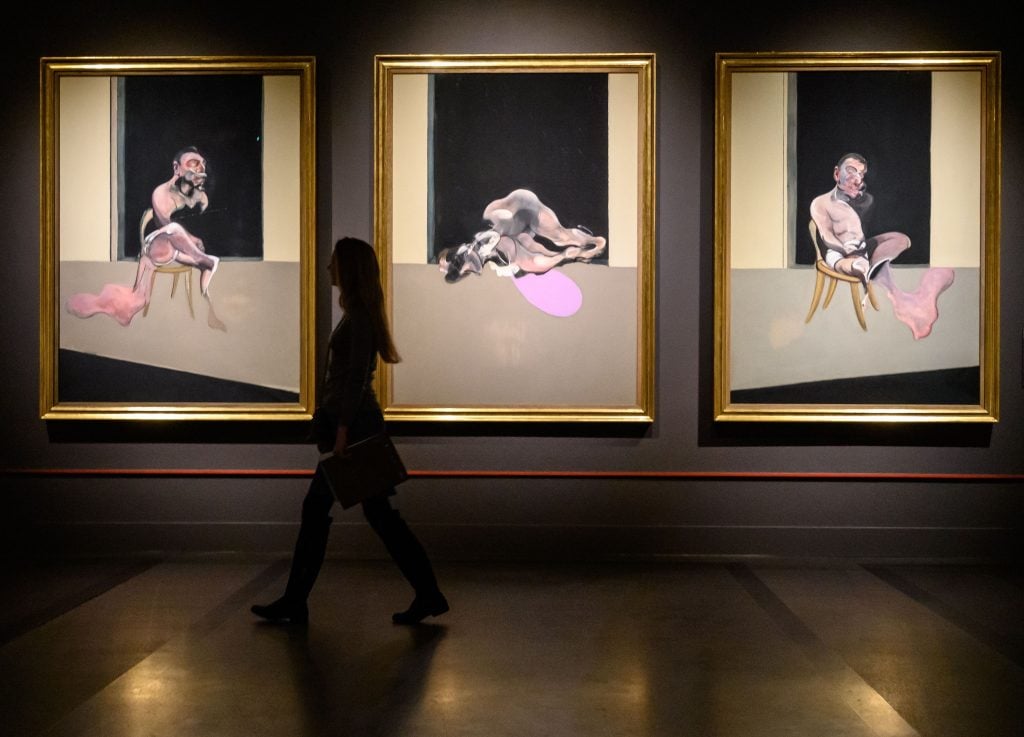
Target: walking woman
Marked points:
349	403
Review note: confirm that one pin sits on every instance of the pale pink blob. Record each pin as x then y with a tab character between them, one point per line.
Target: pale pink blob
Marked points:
553	292
117	300
920	309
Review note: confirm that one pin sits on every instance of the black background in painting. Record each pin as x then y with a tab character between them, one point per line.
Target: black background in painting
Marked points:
85	377
942	386
222	116
493	133
884	116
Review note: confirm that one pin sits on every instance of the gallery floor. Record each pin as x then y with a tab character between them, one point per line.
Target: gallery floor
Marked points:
168	648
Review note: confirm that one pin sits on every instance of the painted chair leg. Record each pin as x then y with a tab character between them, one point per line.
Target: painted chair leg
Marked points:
818	284
857	306
832	284
871	296
152	282
188	293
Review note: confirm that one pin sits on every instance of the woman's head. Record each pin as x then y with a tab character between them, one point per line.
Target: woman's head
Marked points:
354	270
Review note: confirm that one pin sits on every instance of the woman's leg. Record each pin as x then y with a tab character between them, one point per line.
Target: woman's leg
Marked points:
410	557
310	548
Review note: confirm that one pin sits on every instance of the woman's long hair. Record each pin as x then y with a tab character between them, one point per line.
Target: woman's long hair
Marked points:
358	275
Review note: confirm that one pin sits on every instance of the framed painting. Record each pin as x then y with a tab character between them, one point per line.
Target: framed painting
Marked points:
177	231
857	237
515	222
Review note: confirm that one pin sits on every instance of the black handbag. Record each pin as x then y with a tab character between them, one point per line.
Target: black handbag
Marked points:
367	468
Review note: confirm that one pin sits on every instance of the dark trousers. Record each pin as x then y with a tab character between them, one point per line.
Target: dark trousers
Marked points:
310	547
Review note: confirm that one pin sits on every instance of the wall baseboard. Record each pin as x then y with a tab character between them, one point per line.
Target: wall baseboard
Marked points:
529	542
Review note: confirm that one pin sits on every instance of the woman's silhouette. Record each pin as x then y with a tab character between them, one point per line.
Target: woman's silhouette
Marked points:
348	400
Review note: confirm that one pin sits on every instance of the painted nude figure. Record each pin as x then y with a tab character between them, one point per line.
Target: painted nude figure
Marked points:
525	237
167	243
838	215
171	243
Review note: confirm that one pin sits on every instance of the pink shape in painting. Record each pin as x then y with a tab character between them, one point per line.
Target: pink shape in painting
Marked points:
117	300
552	292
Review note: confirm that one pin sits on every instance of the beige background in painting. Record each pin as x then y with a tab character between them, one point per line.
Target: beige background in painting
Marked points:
757	173
260	345
282	168
773	346
409	169
85	176
479	342
956	169
259	301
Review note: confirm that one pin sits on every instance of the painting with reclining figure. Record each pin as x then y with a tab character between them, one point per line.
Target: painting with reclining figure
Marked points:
513	211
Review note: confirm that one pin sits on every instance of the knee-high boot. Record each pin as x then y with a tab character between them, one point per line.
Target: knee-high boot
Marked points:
310	548
410	557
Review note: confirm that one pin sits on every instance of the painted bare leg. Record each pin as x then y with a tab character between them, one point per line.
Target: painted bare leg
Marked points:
918	309
589	244
211	317
189	251
532	258
886	248
522	212
853	266
857	266
174	244
206	274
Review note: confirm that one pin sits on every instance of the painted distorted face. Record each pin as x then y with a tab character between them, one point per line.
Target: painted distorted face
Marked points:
850	176
191	172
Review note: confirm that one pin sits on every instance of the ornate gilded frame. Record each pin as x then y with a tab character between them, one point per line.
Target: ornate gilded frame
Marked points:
473	350
167	362
778	354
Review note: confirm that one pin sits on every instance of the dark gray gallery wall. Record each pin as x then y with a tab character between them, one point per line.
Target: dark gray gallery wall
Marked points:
95	511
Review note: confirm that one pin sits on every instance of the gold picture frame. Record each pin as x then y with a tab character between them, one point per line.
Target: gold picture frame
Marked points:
897	156
514	220
177	238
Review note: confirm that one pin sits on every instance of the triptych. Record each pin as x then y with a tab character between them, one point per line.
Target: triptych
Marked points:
856	238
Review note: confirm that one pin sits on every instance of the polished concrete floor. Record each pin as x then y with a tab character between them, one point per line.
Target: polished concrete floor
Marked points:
168	648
